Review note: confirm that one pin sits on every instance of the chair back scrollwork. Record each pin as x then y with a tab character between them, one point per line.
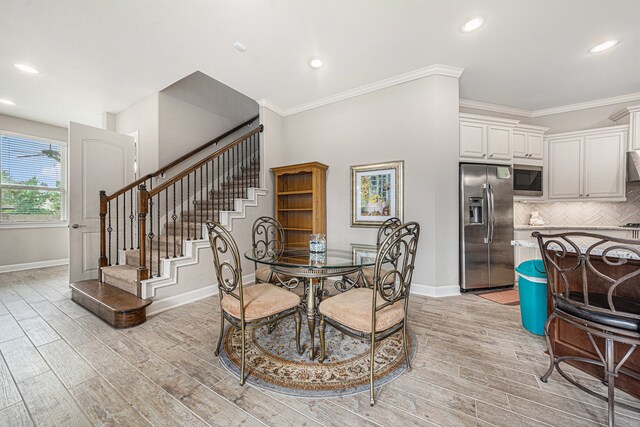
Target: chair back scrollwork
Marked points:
226	259
569	260
399	249
386	228
268	237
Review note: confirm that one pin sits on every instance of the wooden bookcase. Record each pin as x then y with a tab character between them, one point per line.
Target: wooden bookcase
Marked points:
301	201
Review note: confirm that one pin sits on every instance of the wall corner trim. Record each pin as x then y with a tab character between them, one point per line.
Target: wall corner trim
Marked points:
435	291
32	265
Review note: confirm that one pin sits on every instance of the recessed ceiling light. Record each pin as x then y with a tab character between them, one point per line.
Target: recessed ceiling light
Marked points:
603	46
472	24
315	63
26	68
239	47
7	102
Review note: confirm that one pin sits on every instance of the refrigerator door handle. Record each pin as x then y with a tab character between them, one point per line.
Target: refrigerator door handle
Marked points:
493	213
487	221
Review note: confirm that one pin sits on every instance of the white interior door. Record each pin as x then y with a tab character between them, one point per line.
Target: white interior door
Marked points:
98	160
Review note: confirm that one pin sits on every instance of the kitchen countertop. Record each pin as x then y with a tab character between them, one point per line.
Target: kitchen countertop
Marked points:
583	245
570	227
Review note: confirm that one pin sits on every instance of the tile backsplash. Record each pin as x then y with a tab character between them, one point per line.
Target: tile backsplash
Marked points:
583	213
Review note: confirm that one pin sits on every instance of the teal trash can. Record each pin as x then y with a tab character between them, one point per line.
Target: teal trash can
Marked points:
532	287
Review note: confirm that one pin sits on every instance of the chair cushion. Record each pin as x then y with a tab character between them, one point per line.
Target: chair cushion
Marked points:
607	319
263	274
353	310
368	275
261	300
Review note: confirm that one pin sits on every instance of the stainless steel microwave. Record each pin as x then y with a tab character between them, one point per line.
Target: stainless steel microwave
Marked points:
527	180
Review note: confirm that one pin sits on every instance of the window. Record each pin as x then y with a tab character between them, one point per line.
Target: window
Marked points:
31	180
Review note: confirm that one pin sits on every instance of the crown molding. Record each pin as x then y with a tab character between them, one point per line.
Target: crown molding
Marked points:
486	106
271	106
625	111
589	104
437	69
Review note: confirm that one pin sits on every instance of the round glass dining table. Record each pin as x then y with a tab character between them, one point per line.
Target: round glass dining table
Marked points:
295	265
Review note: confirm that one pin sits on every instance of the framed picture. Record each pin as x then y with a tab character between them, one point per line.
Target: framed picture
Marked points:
376	193
364	253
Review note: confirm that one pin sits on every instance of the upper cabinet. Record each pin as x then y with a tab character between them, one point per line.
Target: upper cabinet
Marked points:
528	142
630	116
587	165
485	138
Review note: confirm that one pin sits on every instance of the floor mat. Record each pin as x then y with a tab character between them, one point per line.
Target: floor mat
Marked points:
508	297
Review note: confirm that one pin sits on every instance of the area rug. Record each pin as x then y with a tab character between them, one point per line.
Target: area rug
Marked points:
272	362
508	297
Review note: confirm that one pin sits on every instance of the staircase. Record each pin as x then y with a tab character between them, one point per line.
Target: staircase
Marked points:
147	232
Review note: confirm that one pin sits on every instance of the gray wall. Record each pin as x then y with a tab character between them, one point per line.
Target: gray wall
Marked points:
143	118
28	245
416	122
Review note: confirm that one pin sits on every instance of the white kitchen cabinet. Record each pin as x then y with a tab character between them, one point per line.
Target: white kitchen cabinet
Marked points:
565	168
604	165
587	165
484	138
528	142
473	140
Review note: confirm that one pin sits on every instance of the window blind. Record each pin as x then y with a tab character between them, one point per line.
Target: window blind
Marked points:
30	180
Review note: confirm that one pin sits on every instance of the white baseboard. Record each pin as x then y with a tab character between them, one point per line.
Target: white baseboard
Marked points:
158	306
32	265
435	291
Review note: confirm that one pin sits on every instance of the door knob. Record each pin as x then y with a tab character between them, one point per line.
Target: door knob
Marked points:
77	226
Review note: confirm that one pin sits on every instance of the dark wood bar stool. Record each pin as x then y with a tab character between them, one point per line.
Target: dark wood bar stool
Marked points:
594	283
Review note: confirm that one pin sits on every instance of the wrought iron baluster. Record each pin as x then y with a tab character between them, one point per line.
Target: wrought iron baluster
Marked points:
131	218
181	218
195	205
117	232
188	202
258	151
151	236
216	196
174	217
124	221
166	223
109	230
206	189
201	206
159	235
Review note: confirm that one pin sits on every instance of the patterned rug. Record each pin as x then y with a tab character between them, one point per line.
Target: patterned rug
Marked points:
273	363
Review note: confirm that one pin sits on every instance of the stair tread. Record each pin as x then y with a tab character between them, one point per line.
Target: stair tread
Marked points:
113	298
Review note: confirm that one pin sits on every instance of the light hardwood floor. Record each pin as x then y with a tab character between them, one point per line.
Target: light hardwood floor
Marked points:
61	365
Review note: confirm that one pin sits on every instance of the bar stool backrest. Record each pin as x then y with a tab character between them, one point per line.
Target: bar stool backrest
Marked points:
564	268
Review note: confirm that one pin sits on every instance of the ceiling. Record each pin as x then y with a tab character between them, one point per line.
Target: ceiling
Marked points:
97	56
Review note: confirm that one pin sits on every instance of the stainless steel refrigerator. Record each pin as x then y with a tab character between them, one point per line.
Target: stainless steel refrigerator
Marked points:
486	226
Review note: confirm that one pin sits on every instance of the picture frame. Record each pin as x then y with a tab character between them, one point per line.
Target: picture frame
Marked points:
376	193
364	252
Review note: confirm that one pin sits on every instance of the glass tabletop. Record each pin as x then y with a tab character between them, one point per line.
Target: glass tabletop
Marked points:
297	257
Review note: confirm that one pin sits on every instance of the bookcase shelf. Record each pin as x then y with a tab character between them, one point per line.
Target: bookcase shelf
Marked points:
301	201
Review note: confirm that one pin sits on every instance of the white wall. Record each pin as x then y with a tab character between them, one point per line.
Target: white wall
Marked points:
416	122
30	245
143	117
184	126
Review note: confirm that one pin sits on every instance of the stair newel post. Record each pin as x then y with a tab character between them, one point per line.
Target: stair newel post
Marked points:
102	260
143	208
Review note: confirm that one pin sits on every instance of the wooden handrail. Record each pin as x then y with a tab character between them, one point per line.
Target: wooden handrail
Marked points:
202	162
179	160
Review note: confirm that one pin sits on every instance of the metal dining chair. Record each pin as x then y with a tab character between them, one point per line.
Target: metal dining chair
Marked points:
378	312
595	299
364	277
250	307
267	236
